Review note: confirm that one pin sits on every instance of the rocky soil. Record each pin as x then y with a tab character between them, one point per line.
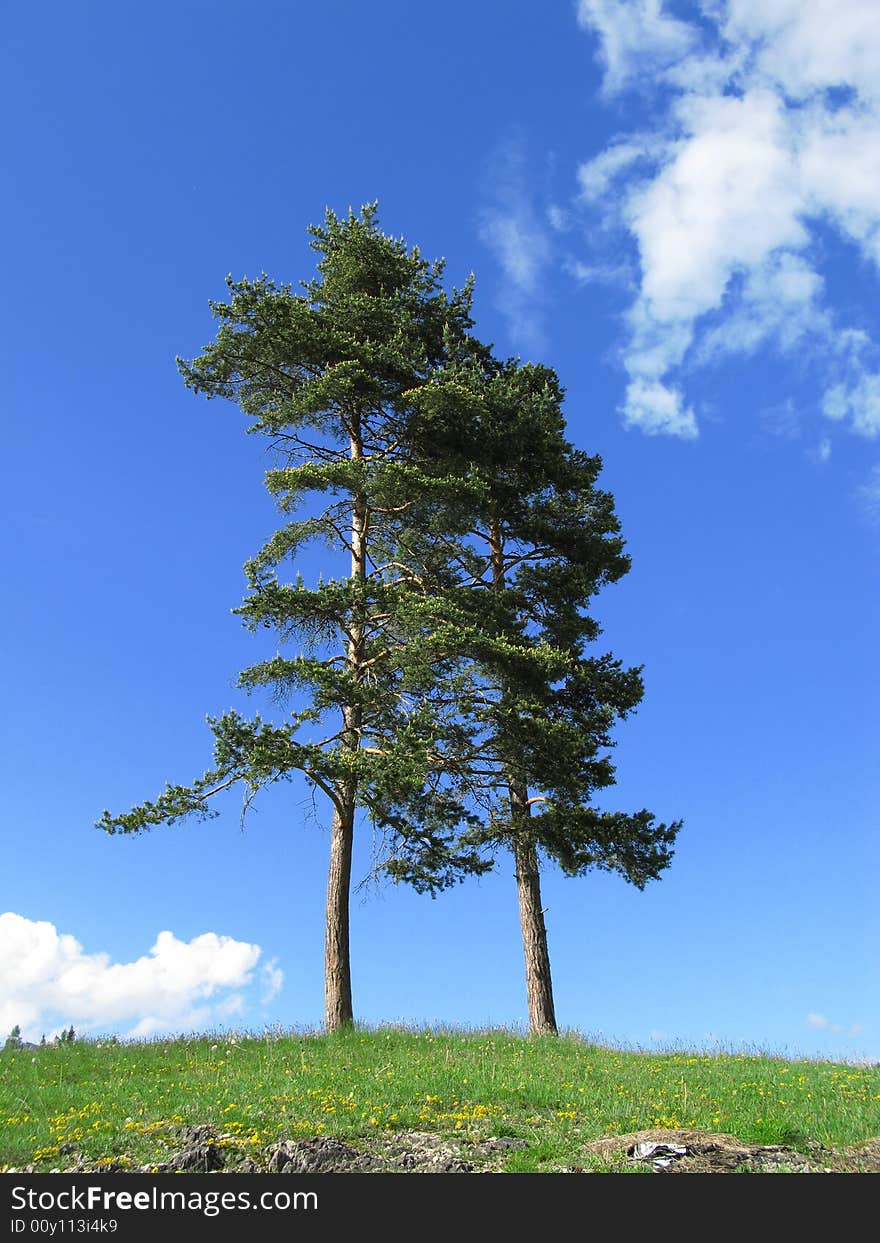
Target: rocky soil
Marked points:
708	1153
204	1149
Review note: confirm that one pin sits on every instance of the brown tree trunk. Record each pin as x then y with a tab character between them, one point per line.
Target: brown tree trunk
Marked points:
337	964
338	1009
539	986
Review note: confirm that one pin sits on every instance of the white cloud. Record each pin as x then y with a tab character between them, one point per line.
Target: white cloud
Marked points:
859	401
48	980
515	232
768	125
656	409
520	247
273	979
599	273
807	47
598	175
776	301
820	1023
635	36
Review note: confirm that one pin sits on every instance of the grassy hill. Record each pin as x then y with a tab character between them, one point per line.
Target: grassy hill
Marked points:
127	1104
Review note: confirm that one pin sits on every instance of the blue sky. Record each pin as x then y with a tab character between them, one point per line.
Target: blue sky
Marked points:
676	206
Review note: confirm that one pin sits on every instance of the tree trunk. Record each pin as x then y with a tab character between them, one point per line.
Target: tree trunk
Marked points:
337	965
338	1009
539	986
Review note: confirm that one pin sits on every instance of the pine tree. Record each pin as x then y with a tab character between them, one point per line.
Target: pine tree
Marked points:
529	546
329	376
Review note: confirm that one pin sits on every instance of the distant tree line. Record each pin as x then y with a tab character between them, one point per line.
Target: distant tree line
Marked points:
14	1041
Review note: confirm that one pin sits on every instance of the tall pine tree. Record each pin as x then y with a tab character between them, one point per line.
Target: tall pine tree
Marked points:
519	561
364	656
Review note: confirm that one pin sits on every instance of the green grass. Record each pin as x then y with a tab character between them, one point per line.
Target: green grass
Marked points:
108	1099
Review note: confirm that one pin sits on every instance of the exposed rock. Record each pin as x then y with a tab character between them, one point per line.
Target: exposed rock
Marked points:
206	1150
410	1152
702	1152
495	1144
199	1154
422	1152
321	1155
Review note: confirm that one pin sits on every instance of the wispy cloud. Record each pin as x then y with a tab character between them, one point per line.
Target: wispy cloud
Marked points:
519	237
48	980
858	400
820	1023
273	980
868	496
768	126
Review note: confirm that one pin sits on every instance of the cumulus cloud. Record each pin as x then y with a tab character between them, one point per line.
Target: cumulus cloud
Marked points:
636	36
48	980
768	129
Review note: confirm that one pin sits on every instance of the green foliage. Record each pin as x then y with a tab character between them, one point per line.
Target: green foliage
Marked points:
518	557
13	1040
363	664
370	326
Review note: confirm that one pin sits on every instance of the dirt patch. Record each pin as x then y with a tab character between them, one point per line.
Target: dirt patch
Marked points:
859	1159
709	1153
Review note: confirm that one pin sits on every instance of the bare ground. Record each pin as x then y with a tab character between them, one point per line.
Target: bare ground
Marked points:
203	1149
